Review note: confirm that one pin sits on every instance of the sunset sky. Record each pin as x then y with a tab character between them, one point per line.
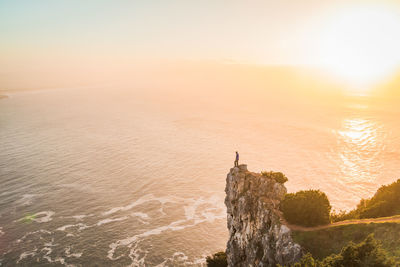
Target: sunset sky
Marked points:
355	40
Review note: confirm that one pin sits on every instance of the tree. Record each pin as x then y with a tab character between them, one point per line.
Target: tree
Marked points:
365	254
306	208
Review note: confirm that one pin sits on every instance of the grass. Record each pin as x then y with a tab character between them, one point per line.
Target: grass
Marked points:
324	242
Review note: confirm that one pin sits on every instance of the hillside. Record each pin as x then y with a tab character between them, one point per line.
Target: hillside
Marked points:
259	234
323	242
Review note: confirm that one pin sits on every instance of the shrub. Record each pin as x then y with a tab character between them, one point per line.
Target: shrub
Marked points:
383	203
342	215
277	176
307	261
306	208
217	260
365	254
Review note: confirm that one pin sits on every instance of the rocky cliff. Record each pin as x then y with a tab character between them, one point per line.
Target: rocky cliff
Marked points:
256	235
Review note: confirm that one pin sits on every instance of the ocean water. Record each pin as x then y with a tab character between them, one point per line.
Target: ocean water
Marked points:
100	176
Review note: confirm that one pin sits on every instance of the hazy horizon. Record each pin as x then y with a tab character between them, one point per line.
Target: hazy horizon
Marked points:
66	43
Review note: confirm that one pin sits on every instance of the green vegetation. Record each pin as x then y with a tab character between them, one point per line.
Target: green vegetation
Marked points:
356	245
306	208
365	254
278	176
324	242
375	245
217	260
28	218
384	203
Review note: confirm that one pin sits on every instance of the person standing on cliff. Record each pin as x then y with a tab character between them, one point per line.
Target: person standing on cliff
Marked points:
237	159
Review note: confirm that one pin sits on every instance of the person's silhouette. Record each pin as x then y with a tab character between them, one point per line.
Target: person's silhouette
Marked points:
237	159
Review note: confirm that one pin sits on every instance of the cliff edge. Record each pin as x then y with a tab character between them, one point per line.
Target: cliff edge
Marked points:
256	235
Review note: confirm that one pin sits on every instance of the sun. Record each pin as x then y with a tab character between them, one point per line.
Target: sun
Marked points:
361	44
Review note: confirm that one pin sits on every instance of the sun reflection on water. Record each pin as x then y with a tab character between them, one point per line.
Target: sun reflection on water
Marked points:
360	143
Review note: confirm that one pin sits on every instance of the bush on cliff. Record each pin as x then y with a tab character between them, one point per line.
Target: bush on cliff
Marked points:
306	208
217	260
365	254
277	176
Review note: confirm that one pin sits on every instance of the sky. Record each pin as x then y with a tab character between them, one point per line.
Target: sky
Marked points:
36	36
240	30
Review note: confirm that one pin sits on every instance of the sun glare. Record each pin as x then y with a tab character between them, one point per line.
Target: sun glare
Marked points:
361	44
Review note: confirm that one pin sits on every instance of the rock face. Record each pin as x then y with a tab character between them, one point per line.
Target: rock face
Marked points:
256	235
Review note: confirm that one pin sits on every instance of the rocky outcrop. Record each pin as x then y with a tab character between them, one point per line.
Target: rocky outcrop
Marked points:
257	237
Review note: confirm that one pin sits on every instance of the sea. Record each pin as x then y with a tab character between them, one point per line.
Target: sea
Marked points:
109	176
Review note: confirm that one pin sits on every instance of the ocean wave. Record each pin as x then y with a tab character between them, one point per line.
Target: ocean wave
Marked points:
81	217
44	250
47	257
192	217
26	254
140	215
40	231
46	218
111	220
181	259
39	217
79	226
142	200
26	200
68	253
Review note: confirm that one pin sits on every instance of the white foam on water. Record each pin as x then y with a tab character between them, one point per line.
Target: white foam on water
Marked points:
42	231
26	200
68	253
143	221
109	220
26	254
50	244
1	231
48	250
161	210
81	217
140	215
134	255
143	199
190	211
128	241
80	226
180	259
44	216
216	211
59	259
